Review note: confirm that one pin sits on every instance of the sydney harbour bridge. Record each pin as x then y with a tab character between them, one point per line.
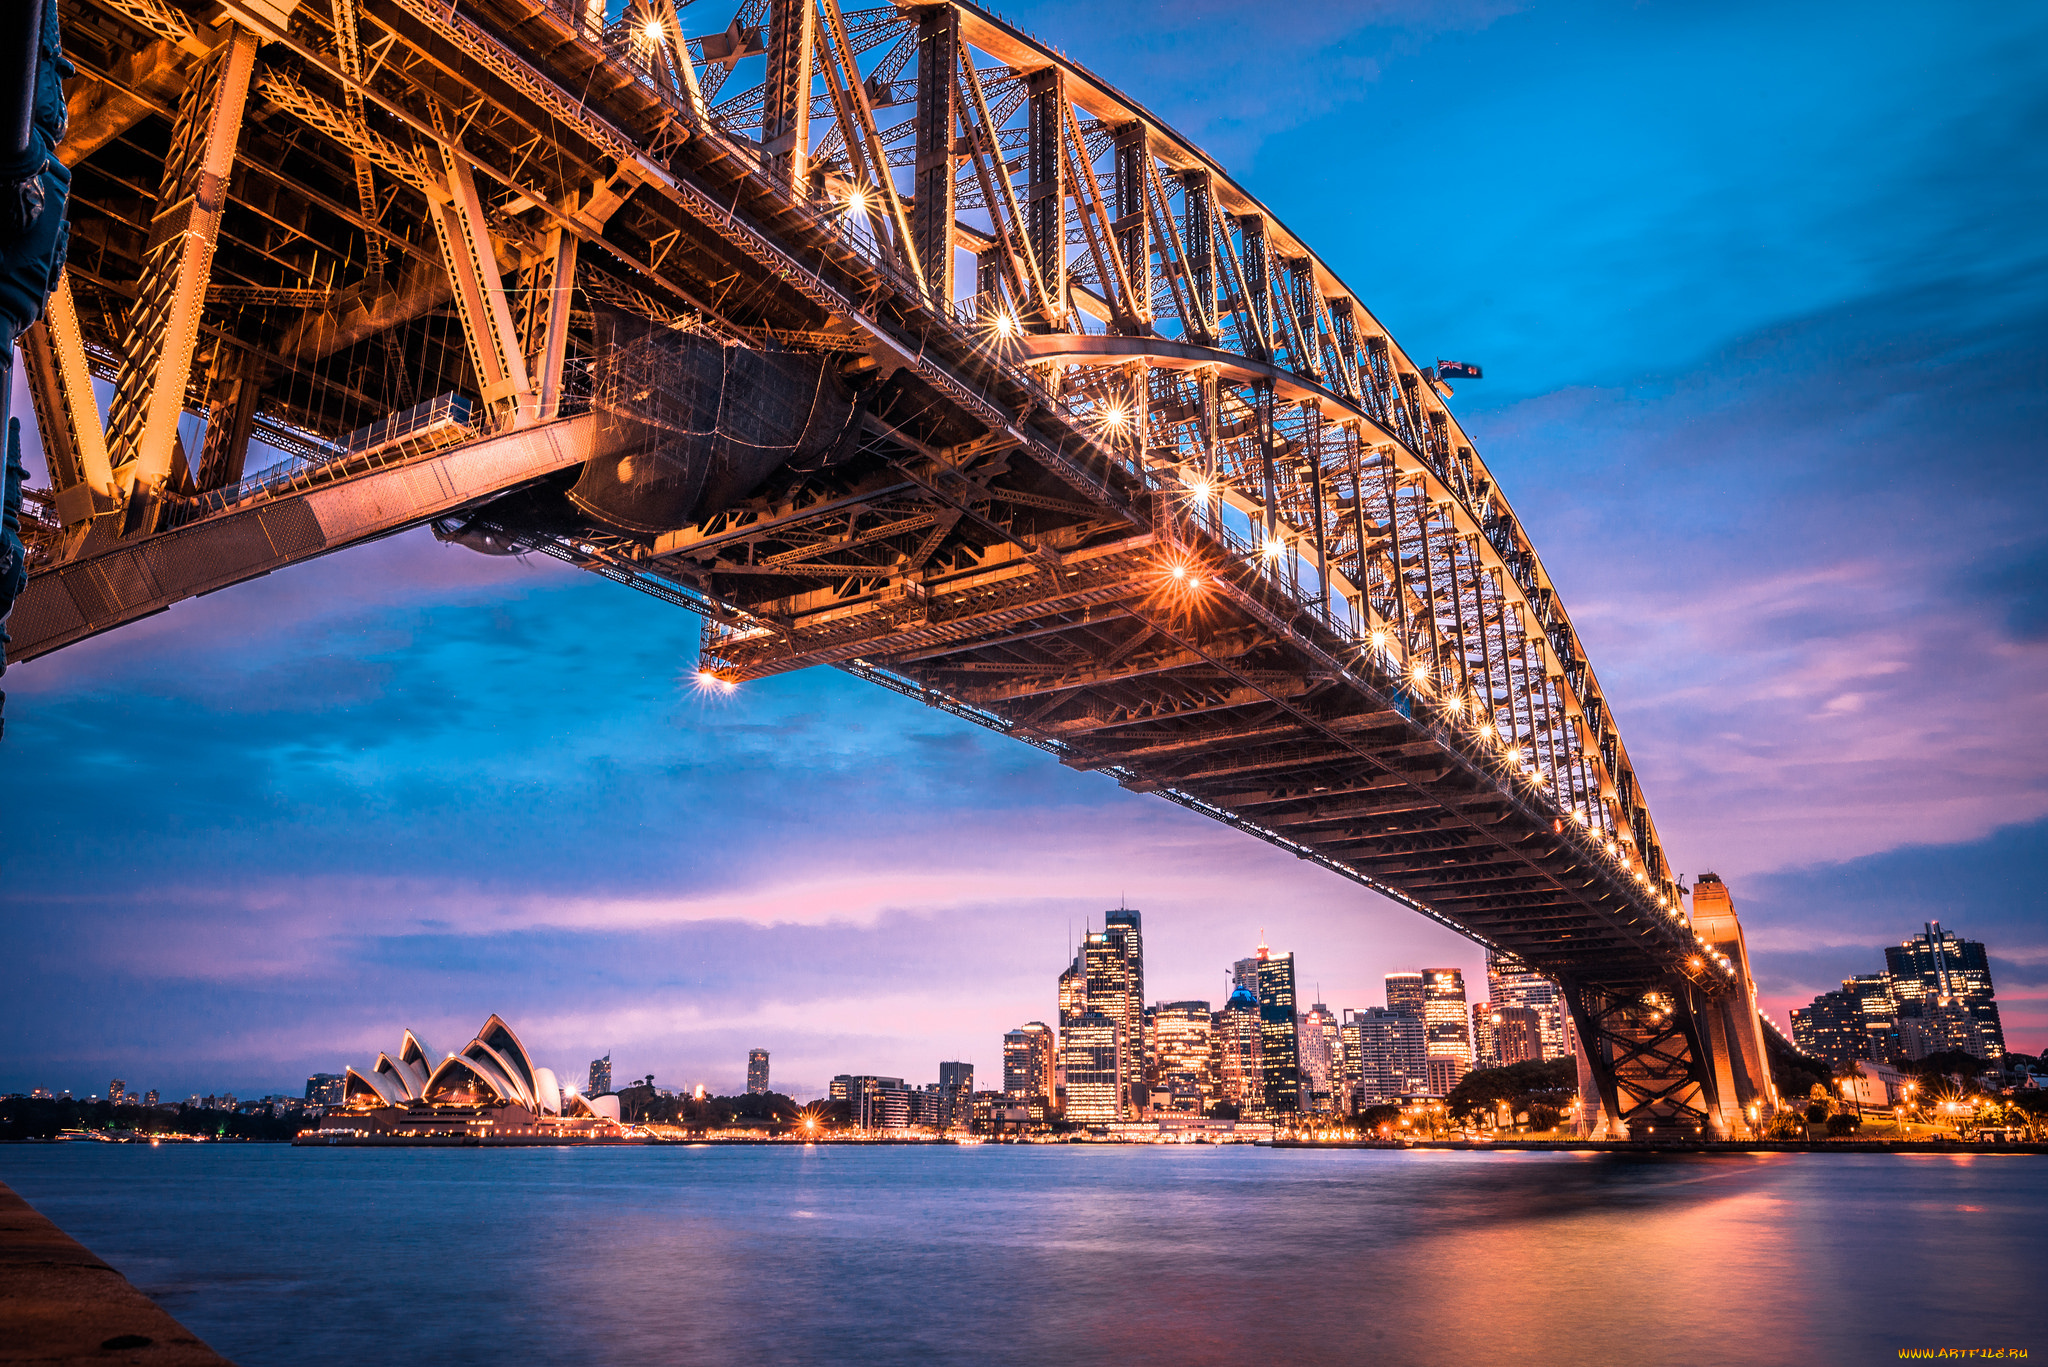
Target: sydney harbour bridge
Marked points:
889	339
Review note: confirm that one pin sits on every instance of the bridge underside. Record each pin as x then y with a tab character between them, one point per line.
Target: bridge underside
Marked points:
1172	506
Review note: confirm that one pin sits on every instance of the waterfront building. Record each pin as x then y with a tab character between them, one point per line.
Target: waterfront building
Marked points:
956	1095
1392	1053
1113	962
1406	994
1944	1024
1937	964
1879	1009
1509	982
1184	1055
327	1089
1073	1005
489	1090
757	1072
1446	1028
1238	1037
116	1091
1091	1048
1028	1062
600	1076
1517	1035
1484	1055
1831	1028
873	1102
1322	1058
150	1098
1279	1038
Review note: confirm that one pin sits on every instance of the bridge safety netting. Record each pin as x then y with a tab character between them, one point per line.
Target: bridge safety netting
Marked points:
687	422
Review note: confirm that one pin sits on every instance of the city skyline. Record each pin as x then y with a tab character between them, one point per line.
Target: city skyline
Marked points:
1439	996
413	784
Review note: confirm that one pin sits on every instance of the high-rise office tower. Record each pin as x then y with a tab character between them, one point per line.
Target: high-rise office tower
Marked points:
1517	1035
1124	928
1239	1035
1391	1052
1939	964
1090	1049
1245	973
1509	982
1880	1011
757	1072
1028	1062
1446	1028
328	1089
1184	1055
1484	1053
956	1095
1831	1028
601	1075
1108	971
1279	1040
1073	1005
1322	1058
1406	994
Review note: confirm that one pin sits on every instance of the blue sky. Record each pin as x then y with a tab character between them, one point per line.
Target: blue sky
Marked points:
1761	293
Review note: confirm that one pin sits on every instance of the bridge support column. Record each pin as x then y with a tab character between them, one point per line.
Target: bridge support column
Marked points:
1133	224
1741	1058
1045	208
163	328
938	115
1647	1059
230	418
480	303
786	110
68	416
544	299
1199	233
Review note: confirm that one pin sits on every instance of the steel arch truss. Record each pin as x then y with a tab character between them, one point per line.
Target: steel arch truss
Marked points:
1137	478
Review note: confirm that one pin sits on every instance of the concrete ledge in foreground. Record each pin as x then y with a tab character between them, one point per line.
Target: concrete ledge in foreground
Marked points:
60	1304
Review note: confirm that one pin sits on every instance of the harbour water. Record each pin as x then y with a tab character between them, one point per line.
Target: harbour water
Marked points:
1070	1254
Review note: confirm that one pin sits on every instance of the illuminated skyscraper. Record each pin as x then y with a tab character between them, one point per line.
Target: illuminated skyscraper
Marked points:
1238	1039
1484	1052
1391	1054
1279	1042
1185	1054
1831	1028
1448	1033
1322	1058
600	1075
1073	1005
1880	1011
117	1090
1511	983
1105	960
1124	928
1090	1049
1406	994
327	1089
1517	1035
757	1072
956	1095
1028	1062
1939	964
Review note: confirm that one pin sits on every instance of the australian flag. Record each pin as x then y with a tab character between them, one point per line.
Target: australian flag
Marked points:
1457	370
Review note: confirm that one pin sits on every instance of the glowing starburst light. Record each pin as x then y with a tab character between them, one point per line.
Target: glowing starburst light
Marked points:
1005	324
1115	417
856	200
651	31
1274	548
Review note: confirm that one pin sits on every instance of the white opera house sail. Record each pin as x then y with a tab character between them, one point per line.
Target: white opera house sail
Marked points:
487	1092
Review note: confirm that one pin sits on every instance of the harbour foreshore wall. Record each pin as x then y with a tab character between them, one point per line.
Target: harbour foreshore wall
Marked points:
59	1303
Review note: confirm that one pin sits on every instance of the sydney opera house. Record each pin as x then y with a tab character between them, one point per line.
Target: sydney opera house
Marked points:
488	1092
